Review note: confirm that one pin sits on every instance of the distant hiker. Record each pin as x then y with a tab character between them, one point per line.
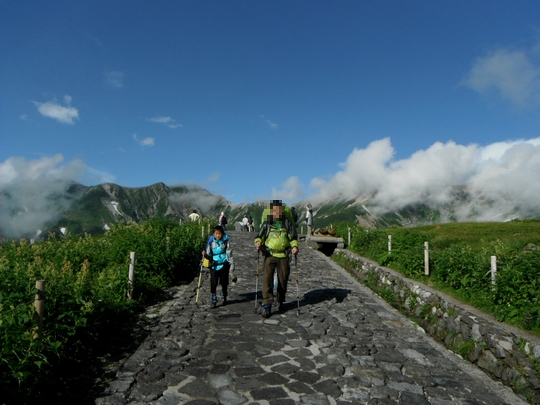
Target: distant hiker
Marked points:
250	224
219	252
223	221
194	216
294	215
245	223
309	219
276	239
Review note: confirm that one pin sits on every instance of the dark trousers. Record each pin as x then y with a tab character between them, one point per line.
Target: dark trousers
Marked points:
281	266
220	276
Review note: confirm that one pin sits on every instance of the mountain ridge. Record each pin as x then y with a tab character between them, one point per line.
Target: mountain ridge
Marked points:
81	209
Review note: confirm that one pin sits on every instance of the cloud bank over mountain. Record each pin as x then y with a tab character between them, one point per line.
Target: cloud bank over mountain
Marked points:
498	177
500	180
33	192
195	199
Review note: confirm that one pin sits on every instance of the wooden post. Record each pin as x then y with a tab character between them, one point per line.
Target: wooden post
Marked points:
348	236
131	276
168	238
39	304
493	270
208	233
389	244
426	259
202	232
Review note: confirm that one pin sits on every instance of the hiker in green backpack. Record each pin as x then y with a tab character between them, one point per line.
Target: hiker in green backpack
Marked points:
276	238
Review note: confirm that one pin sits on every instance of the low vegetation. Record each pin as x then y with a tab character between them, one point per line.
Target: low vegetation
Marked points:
86	307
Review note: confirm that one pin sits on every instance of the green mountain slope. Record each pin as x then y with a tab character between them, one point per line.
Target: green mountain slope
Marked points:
81	209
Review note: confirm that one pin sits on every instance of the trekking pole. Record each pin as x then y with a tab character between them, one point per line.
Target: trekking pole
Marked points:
297	289
257	280
200	280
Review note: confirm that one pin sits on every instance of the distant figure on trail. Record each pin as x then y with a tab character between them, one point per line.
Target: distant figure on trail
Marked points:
194	216
245	223
223	221
294	216
219	252
250	224
309	219
275	240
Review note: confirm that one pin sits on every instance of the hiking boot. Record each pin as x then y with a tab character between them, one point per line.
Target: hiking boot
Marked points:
213	301
266	311
224	301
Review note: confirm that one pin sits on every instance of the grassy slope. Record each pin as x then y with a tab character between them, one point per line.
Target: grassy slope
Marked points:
515	235
510	237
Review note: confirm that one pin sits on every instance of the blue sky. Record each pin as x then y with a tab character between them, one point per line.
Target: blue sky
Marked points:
272	99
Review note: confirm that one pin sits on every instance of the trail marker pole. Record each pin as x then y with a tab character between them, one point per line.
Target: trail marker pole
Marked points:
39	304
131	275
389	244
493	271
426	259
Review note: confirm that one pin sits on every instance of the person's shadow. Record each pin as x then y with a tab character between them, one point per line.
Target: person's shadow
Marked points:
316	296
309	298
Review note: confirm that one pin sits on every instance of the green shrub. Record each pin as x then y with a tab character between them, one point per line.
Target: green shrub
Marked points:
86	288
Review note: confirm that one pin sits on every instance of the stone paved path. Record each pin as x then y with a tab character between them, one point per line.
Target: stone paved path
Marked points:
346	346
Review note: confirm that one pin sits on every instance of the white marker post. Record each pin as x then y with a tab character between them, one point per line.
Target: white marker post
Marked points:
426	259
131	276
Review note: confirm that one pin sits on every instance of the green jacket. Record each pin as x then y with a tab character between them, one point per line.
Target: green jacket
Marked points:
277	236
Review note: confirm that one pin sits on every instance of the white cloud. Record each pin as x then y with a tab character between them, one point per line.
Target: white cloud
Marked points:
271	124
168	121
213	178
65	114
292	190
34	192
195	198
145	141
497	177
95	176
161	120
114	79
513	75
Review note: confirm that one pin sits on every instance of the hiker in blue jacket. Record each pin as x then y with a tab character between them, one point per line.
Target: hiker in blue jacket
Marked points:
219	252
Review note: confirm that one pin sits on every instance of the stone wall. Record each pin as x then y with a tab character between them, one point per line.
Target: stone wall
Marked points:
506	353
